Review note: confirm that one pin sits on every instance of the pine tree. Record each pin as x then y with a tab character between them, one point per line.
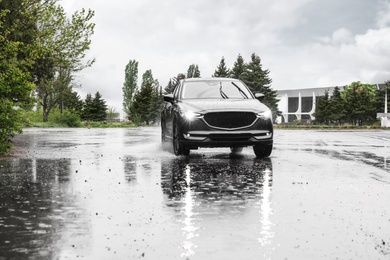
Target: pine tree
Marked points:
173	82
222	71
99	108
94	109
337	108
193	71
238	68
258	80
147	102
72	102
322	112
87	113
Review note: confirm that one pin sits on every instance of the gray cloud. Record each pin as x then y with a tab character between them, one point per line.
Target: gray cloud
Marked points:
304	43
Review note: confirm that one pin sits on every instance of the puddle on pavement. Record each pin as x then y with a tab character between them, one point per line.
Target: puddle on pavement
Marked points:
118	196
33	208
50	208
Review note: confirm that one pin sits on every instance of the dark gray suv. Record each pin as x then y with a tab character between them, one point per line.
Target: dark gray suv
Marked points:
216	112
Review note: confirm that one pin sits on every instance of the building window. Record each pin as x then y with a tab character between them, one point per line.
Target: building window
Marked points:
292	105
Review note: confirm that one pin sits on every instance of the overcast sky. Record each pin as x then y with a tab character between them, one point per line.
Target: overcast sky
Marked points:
304	43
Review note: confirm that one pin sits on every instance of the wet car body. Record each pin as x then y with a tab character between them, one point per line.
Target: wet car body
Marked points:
216	112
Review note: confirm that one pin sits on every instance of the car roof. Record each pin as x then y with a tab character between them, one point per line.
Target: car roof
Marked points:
209	79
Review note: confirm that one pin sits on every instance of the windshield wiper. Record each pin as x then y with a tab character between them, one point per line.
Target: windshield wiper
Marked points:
223	94
240	90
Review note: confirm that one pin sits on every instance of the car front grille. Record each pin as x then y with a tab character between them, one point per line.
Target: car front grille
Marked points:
230	120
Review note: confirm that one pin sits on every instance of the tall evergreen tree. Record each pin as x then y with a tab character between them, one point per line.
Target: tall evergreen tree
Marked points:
337	108
87	113
95	109
71	101
258	80
193	71
99	107
222	71
173	82
148	100
129	86
238	68
322	113
170	86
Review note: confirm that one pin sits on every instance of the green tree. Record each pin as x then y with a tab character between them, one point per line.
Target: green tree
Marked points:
258	80
16	59
129	86
170	86
193	71
99	107
360	103
173	82
238	68
337	108
87	113
148	100
71	101
64	42
322	113
95	109
222	71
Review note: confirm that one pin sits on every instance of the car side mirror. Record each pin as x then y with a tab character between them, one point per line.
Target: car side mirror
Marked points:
259	96
168	98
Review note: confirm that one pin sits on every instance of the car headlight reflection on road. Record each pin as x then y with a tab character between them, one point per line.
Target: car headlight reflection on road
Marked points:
265	114
189	115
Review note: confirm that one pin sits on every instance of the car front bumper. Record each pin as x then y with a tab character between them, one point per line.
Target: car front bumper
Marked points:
198	134
194	139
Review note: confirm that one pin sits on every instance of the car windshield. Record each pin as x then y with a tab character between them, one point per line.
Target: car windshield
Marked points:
215	90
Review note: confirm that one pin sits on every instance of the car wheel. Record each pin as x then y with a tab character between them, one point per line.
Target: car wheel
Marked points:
262	151
178	148
236	149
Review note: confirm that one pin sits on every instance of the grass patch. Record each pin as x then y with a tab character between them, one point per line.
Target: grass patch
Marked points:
47	124
89	124
328	127
51	124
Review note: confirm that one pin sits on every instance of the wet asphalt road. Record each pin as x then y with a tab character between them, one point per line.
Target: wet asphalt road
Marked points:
116	194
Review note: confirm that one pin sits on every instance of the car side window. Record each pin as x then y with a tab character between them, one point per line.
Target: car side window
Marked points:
177	91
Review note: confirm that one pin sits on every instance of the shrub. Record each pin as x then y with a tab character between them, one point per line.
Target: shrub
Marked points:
137	119
67	118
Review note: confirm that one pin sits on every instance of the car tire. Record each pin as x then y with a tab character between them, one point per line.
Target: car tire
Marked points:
236	149
262	151
178	148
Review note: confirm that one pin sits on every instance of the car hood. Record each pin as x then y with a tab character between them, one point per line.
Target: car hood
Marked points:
208	105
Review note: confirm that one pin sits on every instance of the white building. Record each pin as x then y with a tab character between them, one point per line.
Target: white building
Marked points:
300	104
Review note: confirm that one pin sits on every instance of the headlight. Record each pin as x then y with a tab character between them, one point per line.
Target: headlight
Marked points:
265	114
189	115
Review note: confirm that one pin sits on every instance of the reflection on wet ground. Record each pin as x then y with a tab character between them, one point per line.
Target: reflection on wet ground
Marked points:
200	189
33	208
115	194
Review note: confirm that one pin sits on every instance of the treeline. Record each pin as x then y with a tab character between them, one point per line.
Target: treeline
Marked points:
41	49
143	104
356	104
